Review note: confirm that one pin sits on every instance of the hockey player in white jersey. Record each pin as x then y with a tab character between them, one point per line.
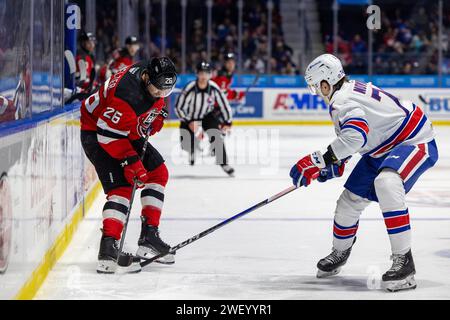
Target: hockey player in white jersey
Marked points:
396	141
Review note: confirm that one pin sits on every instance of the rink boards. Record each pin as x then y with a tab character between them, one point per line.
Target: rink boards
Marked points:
284	105
44	191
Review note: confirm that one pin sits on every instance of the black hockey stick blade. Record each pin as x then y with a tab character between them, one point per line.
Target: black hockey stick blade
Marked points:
124	259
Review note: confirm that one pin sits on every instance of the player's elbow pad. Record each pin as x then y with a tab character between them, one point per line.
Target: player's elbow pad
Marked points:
347	146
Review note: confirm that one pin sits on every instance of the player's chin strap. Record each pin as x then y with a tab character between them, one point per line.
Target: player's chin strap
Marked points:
218	226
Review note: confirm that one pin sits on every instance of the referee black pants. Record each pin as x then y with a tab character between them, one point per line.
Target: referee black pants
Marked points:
211	126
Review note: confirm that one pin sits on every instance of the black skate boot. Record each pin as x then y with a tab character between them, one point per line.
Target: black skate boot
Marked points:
228	170
107	258
401	275
331	264
150	245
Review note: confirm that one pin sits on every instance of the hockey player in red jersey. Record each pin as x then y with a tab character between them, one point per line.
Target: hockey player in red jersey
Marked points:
121	58
7	110
125	57
85	60
114	122
224	79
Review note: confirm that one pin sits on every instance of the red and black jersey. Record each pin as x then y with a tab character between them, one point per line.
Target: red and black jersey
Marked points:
224	80
121	112
7	110
85	74
122	59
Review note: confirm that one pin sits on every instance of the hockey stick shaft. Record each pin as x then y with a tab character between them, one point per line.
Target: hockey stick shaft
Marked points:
133	193
220	225
421	97
255	81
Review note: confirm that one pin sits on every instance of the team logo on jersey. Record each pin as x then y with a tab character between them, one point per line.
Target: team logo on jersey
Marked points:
145	121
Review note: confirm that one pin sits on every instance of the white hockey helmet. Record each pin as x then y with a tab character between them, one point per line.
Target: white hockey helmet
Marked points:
325	67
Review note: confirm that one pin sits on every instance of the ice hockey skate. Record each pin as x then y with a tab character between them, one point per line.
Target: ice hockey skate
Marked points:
401	275
150	245
107	258
331	265
228	170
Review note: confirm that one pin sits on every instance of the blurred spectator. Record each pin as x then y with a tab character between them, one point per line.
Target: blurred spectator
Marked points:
358	45
255	65
407	68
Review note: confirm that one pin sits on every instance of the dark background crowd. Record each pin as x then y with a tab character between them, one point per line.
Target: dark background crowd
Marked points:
407	42
224	34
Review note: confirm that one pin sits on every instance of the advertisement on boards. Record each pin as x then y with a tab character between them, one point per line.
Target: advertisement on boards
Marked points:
293	104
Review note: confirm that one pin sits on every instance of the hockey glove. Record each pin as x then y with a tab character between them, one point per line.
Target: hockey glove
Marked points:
332	171
158	123
134	171
307	169
241	98
225	128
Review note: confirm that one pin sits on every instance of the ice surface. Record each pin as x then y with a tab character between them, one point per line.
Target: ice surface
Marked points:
272	253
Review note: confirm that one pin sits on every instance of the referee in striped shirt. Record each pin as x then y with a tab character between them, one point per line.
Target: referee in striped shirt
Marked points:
202	107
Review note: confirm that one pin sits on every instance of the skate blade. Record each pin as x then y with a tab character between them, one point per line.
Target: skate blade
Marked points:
230	174
408	283
135	267
147	253
111	267
325	274
106	267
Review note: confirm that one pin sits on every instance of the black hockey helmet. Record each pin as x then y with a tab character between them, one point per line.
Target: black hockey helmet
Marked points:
229	56
86	36
162	75
131	40
204	66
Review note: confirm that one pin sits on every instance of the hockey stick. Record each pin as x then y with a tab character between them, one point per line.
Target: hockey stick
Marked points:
253	84
421	97
220	225
124	258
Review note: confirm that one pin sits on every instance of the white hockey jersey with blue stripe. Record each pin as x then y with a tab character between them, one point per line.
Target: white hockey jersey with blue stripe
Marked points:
372	121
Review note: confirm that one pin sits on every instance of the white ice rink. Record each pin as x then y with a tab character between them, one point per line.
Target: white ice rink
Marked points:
272	253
